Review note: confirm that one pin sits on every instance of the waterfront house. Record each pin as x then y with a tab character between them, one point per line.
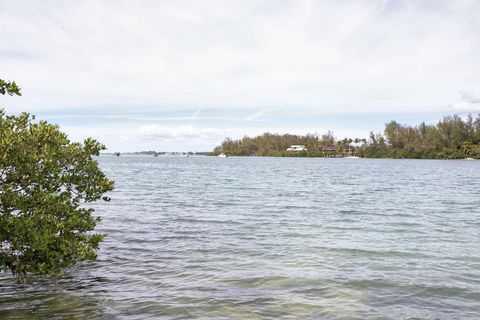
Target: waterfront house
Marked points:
351	151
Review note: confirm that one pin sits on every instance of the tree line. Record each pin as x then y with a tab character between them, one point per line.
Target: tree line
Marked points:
450	138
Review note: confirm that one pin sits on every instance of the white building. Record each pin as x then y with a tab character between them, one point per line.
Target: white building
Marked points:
297	147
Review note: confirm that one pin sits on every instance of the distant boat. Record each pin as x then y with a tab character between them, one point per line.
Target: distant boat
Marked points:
222	155
469	159
352	157
116	154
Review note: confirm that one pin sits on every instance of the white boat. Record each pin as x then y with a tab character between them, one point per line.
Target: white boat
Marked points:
469	159
222	155
352	157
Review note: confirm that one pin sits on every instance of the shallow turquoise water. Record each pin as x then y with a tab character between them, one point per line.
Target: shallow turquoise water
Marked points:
274	238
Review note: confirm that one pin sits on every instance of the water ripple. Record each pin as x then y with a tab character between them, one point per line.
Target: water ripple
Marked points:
269	238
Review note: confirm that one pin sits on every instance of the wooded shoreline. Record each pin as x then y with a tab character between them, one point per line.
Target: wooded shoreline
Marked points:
450	138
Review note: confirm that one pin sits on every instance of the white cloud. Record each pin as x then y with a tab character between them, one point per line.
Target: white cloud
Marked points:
364	56
472	97
150	137
177	132
470	101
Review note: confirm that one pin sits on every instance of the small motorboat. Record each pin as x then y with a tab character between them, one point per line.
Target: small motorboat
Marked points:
222	155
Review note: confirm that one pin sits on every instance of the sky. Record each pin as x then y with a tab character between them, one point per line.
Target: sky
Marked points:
183	75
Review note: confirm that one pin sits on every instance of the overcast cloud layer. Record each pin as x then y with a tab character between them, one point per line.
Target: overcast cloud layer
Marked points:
182	75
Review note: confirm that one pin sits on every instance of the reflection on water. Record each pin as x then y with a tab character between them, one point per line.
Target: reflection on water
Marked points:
259	238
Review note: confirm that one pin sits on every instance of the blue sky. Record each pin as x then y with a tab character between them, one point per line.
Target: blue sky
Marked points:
183	75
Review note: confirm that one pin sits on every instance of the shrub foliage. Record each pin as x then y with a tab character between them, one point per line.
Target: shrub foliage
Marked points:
46	182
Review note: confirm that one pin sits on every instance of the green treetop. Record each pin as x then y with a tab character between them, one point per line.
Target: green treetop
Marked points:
9	87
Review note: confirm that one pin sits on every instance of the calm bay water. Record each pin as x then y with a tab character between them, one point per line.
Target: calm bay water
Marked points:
274	238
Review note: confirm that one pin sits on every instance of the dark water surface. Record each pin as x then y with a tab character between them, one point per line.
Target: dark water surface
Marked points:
274	238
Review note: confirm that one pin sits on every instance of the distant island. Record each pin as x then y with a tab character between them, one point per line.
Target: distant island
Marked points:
159	153
451	138
166	153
